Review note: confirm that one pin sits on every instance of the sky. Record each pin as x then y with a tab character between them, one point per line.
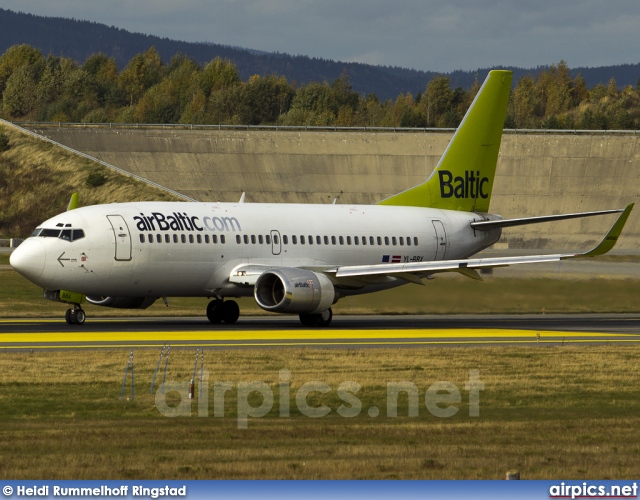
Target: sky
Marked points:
430	35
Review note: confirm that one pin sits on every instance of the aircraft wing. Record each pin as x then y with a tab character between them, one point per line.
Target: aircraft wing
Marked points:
411	271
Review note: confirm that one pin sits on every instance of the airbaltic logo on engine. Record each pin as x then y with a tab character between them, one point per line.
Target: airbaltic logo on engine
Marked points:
184	222
469	186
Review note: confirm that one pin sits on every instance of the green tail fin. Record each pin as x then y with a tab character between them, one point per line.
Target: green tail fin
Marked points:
463	179
73	202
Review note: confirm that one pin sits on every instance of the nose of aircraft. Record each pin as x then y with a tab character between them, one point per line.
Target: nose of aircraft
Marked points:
28	259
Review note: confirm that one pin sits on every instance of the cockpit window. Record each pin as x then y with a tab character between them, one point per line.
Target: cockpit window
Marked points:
49	233
64	234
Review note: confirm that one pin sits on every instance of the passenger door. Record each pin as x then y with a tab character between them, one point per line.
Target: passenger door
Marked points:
122	237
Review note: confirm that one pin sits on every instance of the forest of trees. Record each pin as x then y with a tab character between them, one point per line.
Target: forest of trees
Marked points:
149	90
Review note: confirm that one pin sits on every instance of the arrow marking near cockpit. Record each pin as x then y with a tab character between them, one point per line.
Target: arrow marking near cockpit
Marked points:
60	259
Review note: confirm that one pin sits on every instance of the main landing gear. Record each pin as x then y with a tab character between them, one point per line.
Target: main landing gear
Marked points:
75	316
322	319
219	311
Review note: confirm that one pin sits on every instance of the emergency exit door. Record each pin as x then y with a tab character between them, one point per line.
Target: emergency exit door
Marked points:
441	239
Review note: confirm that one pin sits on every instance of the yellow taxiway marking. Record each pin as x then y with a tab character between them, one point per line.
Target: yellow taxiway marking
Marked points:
323	335
388	343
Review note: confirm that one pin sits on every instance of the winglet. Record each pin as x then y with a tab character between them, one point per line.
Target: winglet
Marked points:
611	238
73	202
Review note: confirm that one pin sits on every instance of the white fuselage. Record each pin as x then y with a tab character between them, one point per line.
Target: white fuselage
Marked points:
153	249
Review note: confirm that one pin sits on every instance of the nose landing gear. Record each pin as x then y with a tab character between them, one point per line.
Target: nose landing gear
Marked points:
75	316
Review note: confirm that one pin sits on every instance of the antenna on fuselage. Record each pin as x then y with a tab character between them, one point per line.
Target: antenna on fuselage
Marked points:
242	197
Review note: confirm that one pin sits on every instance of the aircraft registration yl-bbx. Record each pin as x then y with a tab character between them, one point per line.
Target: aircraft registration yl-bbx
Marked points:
292	258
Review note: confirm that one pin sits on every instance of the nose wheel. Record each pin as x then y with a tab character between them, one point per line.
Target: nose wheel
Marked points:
75	316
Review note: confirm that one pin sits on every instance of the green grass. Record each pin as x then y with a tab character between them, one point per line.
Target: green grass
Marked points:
549	412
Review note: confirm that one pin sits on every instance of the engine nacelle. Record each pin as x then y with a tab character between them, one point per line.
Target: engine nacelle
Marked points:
291	290
122	302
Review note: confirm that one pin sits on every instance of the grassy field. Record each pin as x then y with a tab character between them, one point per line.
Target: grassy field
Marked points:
550	412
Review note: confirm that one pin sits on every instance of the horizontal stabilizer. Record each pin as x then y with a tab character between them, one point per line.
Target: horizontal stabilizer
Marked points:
486	225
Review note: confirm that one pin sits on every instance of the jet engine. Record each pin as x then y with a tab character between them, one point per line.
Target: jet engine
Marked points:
122	302
292	290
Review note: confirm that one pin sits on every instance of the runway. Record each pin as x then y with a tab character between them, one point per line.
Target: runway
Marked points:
345	331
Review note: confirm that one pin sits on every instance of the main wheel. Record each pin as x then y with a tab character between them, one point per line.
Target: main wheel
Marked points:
230	311
308	319
215	311
80	316
324	318
67	316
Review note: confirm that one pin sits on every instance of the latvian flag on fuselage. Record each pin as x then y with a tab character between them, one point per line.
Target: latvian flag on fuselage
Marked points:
392	258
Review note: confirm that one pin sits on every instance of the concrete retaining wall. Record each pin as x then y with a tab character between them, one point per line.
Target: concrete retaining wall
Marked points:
537	173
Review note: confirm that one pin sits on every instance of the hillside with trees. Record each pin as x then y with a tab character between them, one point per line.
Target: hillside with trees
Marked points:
79	40
36	87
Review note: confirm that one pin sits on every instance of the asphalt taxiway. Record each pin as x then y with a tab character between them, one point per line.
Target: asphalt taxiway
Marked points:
345	331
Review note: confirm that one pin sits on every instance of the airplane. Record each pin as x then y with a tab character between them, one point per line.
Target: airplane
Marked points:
292	258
